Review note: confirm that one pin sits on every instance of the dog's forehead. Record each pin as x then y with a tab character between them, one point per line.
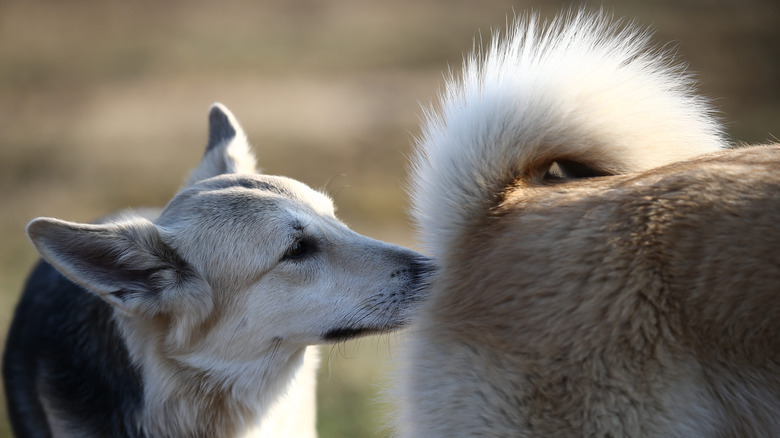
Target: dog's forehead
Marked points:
237	194
263	185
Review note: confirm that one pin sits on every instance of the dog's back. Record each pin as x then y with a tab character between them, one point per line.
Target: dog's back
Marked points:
588	287
73	340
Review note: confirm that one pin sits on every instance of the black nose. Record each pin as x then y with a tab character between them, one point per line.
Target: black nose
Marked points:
422	269
418	268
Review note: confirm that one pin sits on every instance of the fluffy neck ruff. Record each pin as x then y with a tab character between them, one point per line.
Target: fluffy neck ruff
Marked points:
195	395
181	400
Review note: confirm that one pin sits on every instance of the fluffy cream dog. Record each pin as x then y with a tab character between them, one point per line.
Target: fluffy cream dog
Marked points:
607	266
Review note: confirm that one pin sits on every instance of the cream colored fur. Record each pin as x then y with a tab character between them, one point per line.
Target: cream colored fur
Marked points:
639	301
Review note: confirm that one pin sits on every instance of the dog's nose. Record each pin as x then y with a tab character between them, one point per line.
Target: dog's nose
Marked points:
422	268
418	268
420	272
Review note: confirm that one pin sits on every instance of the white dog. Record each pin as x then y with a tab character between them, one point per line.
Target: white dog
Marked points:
595	278
196	323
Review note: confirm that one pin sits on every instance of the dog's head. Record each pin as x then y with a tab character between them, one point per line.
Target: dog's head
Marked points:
238	261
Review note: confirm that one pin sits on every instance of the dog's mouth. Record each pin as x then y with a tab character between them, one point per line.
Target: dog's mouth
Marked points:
395	307
347	333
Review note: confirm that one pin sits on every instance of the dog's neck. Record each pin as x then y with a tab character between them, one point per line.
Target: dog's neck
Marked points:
273	395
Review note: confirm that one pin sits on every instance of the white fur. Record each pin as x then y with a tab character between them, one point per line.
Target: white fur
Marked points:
581	86
215	313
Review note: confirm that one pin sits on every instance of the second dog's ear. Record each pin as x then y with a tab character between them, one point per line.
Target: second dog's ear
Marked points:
227	150
127	264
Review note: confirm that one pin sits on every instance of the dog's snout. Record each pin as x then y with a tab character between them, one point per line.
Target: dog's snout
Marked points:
422	268
417	272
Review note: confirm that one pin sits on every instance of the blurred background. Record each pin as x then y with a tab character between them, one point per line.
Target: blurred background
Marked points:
103	105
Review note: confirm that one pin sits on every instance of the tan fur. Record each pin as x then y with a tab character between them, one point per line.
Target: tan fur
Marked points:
645	304
608	266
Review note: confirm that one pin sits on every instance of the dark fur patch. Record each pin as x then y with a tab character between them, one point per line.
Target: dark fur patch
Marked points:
65	346
347	333
220	128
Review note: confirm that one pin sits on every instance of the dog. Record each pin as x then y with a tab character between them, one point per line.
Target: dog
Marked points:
198	322
608	263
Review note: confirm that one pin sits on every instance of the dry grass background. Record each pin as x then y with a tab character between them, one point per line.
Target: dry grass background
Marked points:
103	105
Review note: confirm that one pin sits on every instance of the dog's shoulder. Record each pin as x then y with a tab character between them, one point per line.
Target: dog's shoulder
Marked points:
62	337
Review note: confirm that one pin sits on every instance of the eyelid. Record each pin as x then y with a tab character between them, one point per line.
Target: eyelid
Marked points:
304	246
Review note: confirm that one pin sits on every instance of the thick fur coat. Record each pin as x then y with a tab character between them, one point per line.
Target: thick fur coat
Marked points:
608	266
198	321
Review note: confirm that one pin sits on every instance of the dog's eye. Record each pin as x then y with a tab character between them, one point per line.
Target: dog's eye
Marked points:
297	250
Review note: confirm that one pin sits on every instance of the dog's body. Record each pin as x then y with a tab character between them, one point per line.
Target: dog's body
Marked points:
596	278
196	323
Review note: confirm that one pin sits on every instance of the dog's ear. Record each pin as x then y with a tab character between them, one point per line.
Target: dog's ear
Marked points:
127	264
227	151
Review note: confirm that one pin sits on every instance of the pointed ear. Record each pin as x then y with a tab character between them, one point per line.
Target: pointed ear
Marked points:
127	264
227	151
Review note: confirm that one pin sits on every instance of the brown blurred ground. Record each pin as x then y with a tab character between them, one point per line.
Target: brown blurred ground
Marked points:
103	106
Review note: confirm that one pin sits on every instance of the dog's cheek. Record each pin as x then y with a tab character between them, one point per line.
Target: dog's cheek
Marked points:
189	309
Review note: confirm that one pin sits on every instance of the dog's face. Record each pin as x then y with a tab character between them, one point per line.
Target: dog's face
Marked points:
282	266
237	263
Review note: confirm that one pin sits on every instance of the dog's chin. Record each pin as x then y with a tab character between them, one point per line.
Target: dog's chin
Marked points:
347	333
